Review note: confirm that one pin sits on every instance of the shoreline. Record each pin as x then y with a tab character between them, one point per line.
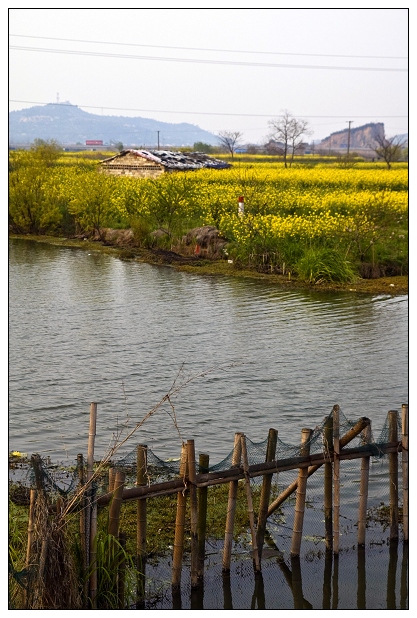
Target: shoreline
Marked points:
393	286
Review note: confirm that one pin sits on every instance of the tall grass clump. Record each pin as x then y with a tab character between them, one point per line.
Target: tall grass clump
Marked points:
320	265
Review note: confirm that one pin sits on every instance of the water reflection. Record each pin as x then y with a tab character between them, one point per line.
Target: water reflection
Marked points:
297	584
227	591
361	594
302	587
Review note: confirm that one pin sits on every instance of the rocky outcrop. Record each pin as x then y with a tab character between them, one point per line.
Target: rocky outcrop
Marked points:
360	138
206	241
200	242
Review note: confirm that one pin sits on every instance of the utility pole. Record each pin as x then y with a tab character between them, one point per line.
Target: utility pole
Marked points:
158	139
348	148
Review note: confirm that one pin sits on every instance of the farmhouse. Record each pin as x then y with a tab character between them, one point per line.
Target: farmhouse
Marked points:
153	163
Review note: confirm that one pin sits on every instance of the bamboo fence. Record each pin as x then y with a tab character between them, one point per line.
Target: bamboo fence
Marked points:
194	481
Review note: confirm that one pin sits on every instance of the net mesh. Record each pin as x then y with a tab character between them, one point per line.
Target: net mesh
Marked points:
61	481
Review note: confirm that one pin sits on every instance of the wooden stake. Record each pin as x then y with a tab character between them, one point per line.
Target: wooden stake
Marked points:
301	495
328	484
231	505
363	491
193	512
179	525
393	475
91	440
116	504
37	469
112	476
31	526
84	511
336	478
404	442
141	481
92	557
266	491
255	555
202	515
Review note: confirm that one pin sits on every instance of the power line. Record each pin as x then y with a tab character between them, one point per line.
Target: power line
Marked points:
167	111
203	61
233	51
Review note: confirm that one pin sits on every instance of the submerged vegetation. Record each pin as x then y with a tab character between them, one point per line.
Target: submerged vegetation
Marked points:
66	564
325	222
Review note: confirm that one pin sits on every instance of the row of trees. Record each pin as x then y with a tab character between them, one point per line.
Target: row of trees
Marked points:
289	132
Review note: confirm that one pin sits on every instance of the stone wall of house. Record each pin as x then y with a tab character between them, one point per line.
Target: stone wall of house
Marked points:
137	171
132	165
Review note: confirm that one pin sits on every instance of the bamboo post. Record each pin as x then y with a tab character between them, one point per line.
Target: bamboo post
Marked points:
31	526
301	495
393	475
266	491
83	525
363	491
202	514
231	505
336	478
179	525
344	440
92	509
116	504
141	472
255	554
37	469
115	557
328	484
112	476
404	460
91	440
193	512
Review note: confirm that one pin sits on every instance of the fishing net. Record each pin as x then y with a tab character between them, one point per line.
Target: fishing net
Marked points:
60	482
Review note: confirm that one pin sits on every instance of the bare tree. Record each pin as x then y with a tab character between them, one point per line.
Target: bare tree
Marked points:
388	148
230	140
288	131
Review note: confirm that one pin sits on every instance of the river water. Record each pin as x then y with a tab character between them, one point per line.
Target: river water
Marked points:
233	355
86	327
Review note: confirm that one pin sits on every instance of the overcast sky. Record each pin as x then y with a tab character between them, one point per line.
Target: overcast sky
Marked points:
220	69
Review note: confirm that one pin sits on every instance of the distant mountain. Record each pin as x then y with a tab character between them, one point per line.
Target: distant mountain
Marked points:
68	124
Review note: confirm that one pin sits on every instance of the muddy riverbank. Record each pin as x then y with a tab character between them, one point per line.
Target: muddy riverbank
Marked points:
394	286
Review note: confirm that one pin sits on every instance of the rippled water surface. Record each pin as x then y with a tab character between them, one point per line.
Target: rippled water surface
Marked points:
88	327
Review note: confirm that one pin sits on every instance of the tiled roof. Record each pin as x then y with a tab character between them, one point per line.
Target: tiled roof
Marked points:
176	160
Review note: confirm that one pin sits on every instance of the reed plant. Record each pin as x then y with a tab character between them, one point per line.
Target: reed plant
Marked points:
324	265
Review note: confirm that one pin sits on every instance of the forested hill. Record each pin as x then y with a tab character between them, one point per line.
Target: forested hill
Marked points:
68	124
